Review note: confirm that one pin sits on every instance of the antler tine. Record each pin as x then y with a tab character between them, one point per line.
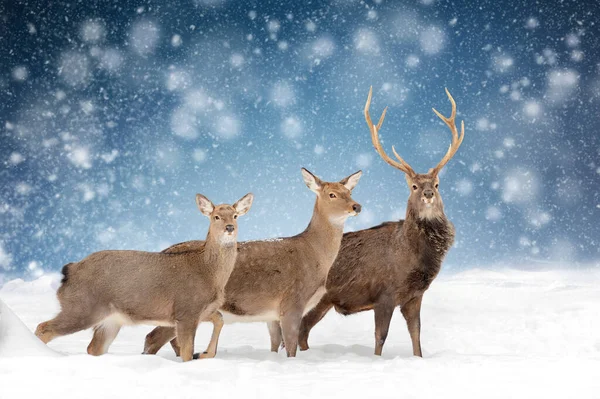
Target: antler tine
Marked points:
381	118
451	120
399	157
456	139
402	165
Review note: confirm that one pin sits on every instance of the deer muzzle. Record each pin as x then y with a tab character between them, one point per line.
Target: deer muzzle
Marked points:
428	197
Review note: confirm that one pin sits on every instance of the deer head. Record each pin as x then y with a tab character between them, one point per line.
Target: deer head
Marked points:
334	199
223	218
424	198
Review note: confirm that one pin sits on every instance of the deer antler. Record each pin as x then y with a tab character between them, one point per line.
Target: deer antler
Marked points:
456	140
402	165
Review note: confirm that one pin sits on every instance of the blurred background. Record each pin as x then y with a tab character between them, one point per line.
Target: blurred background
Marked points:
115	113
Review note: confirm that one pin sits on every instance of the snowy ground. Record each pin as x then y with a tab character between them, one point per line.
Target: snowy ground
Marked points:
492	334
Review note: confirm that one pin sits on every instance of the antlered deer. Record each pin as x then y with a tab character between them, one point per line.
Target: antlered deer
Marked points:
109	289
394	263
280	280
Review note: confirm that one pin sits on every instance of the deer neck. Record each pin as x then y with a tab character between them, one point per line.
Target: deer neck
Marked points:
324	234
436	234
220	257
412	216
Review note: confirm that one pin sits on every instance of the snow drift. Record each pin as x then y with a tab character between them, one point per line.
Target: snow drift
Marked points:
16	339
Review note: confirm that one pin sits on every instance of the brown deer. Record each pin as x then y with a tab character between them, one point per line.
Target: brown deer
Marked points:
109	289
279	280
394	263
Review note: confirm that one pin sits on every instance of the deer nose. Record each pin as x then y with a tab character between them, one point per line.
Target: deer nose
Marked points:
356	208
428	194
229	228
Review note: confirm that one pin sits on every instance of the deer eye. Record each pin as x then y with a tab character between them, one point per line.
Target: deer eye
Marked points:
415	187
217	218
235	216
437	185
332	195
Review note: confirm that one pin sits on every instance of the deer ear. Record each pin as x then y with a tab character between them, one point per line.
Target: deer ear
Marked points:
351	181
243	205
204	204
312	181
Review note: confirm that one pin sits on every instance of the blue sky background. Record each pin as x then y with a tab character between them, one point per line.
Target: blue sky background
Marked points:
115	113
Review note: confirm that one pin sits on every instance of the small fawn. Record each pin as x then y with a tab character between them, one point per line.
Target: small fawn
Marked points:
109	289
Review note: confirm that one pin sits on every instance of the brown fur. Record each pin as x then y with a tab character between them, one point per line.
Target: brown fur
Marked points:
387	266
111	288
274	280
393	264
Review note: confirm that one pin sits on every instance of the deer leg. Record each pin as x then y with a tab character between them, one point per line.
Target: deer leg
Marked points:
275	334
157	338
217	319
175	345
104	335
383	316
290	326
315	315
45	331
412	313
65	324
186	332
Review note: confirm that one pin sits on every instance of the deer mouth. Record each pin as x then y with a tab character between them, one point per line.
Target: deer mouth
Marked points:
428	201
228	237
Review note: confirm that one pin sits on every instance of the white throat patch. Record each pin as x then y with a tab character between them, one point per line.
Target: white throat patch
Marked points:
338	220
227	239
429	212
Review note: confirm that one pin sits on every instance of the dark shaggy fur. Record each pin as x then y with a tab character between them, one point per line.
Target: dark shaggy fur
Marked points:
380	268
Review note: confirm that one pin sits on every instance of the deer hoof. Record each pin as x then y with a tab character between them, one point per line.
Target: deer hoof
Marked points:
203	355
206	355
